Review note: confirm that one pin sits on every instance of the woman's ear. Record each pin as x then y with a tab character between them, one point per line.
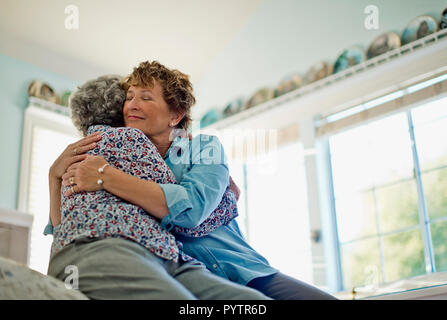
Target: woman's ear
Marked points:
176	118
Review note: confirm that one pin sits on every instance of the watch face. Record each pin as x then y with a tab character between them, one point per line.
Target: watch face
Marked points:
350	57
233	107
443	19
260	96
288	84
383	43
418	28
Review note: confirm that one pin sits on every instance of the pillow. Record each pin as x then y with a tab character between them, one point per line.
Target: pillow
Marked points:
22	283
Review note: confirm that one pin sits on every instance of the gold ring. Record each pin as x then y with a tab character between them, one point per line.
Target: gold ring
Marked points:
71	180
72	190
75	151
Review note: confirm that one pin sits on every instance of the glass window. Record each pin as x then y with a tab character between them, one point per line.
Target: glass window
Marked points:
403	255
397	205
435	190
356	216
43	155
430	129
277	210
361	263
376	202
439	236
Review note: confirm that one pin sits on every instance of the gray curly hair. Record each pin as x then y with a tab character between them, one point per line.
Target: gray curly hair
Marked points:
98	101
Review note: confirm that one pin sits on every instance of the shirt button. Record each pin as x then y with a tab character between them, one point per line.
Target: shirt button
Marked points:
215	266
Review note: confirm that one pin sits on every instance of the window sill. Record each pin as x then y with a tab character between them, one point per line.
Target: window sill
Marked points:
424	287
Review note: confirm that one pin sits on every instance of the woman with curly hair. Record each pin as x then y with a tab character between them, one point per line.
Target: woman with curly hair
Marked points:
158	101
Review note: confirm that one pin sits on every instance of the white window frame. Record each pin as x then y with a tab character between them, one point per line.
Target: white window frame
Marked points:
49	116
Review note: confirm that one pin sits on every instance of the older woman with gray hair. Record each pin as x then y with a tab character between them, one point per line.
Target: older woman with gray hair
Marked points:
121	251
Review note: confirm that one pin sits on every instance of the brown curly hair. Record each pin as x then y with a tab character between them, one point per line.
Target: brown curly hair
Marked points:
177	89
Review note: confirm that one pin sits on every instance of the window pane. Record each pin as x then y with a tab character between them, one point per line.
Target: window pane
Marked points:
351	161
277	207
376	193
435	190
431	142
373	154
47	145
361	263
429	112
391	149
356	216
430	127
397	205
439	238
403	254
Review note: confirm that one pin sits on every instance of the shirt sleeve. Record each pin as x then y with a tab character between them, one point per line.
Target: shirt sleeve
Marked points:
49	228
202	186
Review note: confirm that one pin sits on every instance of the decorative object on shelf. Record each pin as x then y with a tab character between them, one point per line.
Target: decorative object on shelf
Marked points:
443	19
287	84
383	43
260	96
209	118
43	91
349	58
65	98
317	72
418	28
233	107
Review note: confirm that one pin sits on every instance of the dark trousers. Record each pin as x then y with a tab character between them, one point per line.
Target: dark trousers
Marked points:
279	286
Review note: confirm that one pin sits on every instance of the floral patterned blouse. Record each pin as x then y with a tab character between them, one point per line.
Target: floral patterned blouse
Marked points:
101	214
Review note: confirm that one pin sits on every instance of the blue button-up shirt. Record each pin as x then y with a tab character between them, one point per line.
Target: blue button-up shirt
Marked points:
202	175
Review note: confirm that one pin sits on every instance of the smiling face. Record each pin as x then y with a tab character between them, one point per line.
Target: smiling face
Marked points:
146	109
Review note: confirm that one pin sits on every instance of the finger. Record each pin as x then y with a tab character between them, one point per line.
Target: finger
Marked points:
70	191
87	140
83	149
72	168
68	178
66	182
75	159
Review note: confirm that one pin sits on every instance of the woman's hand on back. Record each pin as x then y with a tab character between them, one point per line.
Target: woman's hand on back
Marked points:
73	153
84	175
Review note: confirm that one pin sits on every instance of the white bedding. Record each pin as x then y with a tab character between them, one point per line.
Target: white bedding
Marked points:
20	282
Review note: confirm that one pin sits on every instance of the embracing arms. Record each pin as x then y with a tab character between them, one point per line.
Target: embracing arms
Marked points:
143	193
72	154
186	205
203	182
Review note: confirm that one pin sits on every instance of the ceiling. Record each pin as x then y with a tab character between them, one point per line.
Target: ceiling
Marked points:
114	36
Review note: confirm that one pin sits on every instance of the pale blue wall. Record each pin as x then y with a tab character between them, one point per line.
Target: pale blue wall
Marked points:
15	75
285	36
